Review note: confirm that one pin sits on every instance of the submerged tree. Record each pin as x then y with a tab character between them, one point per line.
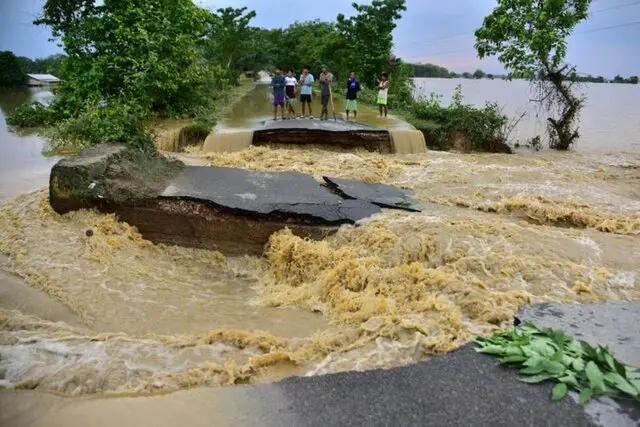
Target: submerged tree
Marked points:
530	39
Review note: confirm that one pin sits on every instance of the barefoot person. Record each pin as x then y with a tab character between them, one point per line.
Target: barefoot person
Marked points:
353	87
383	93
290	93
306	86
278	84
326	80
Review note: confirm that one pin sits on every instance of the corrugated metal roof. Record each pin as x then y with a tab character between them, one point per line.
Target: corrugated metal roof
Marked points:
44	77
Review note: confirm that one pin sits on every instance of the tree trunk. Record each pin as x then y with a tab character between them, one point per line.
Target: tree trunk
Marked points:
563	131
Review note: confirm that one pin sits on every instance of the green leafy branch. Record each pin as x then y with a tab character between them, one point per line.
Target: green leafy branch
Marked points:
548	354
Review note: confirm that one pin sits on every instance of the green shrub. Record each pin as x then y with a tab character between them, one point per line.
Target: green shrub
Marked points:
106	122
32	115
484	127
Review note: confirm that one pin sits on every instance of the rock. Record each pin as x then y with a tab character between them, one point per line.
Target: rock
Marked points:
338	133
108	173
382	195
227	209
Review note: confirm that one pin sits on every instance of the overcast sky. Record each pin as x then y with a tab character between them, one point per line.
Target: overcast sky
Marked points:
436	32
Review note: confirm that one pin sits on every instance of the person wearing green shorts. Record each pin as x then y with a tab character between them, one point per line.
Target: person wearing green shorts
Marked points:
383	93
353	87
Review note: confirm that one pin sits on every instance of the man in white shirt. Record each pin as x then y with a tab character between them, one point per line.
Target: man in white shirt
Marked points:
306	81
291	84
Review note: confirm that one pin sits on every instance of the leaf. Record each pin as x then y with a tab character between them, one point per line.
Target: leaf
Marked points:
542	348
534	379
553	367
589	351
559	391
513	351
513	359
570	379
534	360
557	357
491	349
585	396
609	359
532	370
578	365
620	383
620	369
594	375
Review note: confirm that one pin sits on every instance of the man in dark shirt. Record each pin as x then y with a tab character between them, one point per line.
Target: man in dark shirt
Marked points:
353	87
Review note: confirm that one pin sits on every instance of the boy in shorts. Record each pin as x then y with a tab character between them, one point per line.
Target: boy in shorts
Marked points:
383	94
353	87
306	87
278	84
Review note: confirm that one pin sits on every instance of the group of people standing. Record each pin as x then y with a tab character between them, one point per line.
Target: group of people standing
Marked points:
286	88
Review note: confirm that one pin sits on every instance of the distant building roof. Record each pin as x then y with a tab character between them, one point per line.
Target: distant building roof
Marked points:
44	78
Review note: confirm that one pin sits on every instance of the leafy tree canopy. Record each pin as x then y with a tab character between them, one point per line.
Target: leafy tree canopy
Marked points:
527	33
11	70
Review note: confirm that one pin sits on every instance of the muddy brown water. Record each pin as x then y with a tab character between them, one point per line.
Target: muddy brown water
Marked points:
85	323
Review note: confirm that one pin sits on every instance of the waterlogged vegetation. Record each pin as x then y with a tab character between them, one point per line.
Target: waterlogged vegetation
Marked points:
551	355
538	54
460	126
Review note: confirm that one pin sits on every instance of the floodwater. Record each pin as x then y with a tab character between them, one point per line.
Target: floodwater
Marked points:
82	319
609	120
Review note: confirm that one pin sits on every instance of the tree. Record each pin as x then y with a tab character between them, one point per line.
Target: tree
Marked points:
369	36
466	75
633	80
478	74
229	37
490	76
530	39
142	52
11	70
430	70
618	79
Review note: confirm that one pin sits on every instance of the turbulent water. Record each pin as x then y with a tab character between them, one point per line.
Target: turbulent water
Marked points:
115	314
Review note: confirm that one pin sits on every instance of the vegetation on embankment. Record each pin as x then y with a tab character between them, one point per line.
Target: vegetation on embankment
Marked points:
457	126
125	67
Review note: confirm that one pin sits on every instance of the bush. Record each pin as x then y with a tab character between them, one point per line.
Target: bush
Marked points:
484	128
32	115
103	122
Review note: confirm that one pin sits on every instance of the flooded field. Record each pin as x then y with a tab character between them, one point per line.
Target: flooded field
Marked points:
114	314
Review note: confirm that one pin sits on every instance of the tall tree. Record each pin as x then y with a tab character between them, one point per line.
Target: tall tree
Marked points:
478	74
369	35
530	39
143	52
11	70
229	38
